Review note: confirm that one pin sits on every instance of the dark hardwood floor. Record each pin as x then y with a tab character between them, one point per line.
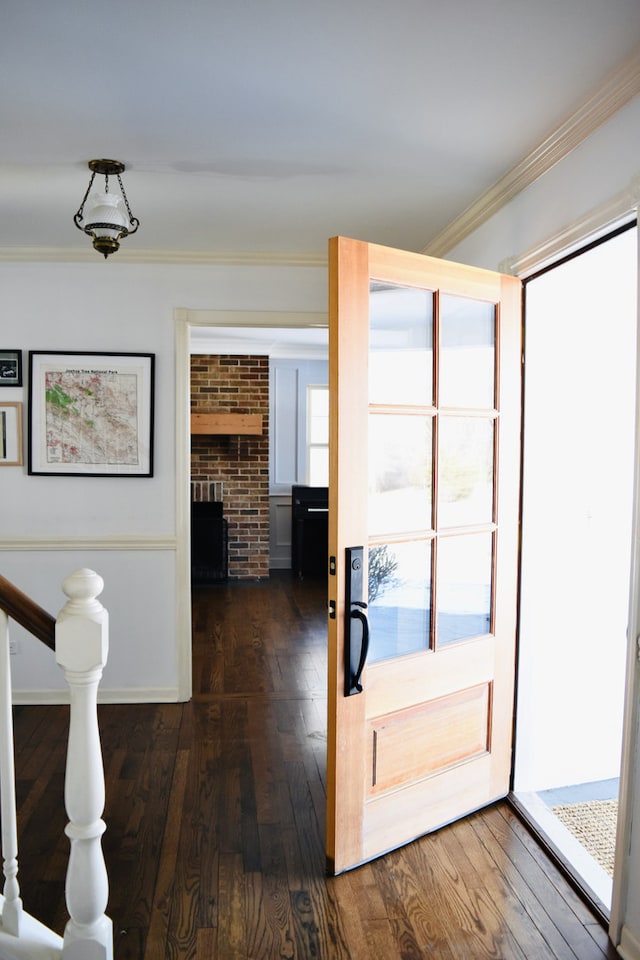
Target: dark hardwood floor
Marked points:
215	821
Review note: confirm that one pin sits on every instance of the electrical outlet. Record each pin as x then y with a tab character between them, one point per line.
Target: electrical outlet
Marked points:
14	646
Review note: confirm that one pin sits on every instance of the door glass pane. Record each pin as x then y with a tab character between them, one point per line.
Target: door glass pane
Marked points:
400	345
464	587
400	468
467	353
399	599
465	466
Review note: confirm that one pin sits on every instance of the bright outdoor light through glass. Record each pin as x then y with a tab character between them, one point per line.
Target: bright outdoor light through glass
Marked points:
400	345
465	488
467	353
432	415
400	482
399	599
464	587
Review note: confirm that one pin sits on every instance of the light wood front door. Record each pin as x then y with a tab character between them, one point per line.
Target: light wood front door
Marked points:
424	378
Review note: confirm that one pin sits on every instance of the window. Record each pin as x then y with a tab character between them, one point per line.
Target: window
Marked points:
318	436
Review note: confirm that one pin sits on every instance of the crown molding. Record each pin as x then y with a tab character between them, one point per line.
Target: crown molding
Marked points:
177	257
616	92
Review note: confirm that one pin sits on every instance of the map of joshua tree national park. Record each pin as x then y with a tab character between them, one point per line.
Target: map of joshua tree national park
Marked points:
91	414
91	417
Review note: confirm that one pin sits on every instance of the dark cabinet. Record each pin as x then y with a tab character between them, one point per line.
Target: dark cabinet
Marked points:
309	530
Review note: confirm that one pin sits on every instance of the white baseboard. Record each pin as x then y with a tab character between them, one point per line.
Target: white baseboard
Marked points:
125	695
629	948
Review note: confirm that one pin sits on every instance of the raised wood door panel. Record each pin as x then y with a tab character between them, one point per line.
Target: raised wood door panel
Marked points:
424	473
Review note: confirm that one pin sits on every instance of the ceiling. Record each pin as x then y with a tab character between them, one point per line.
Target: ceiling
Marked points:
267	126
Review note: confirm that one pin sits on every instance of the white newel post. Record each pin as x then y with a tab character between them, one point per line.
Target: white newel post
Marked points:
81	651
12	908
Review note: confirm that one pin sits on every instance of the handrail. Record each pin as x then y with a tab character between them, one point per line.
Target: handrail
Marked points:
27	613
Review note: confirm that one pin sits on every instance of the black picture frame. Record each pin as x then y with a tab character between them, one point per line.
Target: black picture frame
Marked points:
91	414
10	368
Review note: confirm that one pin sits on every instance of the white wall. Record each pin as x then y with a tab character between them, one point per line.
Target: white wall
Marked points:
605	165
125	528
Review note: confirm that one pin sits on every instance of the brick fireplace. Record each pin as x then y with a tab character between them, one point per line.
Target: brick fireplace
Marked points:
231	466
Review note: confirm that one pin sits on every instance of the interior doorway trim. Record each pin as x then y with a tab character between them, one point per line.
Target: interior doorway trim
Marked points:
185	319
594	225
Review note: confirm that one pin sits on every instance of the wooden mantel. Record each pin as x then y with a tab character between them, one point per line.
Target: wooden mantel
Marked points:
226	423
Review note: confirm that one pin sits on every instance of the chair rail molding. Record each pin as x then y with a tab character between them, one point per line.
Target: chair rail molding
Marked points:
115	542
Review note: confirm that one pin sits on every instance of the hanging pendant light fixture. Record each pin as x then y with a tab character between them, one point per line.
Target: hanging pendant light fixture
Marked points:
108	218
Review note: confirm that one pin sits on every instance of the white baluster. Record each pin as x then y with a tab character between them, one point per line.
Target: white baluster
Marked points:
81	650
12	908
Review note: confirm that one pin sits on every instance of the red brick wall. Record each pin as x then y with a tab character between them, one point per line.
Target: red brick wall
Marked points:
235	384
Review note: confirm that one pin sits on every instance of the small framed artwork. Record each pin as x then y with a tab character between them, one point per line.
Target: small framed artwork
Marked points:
10	434
10	368
91	414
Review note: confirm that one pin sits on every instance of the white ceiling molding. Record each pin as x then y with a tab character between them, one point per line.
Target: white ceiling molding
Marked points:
186	257
618	90
595	224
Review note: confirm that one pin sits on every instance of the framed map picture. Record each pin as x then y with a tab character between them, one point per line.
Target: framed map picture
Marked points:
91	414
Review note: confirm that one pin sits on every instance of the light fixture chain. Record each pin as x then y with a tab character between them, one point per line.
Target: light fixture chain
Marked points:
124	197
80	212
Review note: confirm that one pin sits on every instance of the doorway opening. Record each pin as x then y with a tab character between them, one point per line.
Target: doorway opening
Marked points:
278	372
577	491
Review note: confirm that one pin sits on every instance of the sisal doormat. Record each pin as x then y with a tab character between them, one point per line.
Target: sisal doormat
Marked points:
593	823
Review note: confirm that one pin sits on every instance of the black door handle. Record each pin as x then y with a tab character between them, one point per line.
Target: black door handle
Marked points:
356	626
359	614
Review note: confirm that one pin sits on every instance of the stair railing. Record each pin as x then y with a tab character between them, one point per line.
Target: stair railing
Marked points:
80	640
